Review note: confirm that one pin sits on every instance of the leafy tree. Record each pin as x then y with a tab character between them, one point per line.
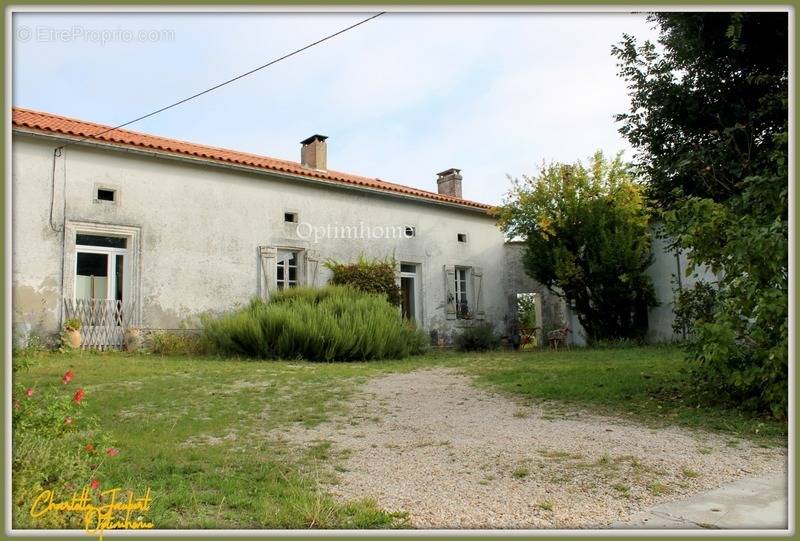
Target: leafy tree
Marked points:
708	119
694	306
587	238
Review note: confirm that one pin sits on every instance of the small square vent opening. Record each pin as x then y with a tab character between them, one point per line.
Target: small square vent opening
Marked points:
462	237
105	194
290	217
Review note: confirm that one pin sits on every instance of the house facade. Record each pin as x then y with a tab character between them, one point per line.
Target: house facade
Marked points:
124	229
158	231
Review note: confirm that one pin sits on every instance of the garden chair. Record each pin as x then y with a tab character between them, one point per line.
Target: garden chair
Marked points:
558	337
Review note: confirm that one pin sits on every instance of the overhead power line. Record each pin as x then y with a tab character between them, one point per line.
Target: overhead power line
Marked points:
229	81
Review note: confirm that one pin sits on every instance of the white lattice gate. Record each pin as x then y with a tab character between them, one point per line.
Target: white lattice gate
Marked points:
103	322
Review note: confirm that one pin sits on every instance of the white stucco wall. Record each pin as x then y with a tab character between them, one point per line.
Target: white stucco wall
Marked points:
663	272
200	228
668	274
554	311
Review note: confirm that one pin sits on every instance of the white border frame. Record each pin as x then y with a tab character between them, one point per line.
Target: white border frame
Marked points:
10	10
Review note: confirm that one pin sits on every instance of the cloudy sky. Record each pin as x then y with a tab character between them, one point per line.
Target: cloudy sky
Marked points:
401	97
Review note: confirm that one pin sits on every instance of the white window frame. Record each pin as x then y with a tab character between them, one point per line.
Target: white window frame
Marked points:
111	267
286	283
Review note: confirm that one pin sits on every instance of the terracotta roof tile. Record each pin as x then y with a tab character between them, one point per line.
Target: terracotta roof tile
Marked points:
48	122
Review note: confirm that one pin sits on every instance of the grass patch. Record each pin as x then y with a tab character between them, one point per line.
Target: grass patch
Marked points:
520	472
643	384
205	433
622	488
658	489
690	473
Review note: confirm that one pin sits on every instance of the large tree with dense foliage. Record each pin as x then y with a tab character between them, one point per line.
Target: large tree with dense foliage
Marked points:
708	119
587	238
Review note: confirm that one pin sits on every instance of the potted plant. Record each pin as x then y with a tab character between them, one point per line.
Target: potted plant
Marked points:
72	328
132	340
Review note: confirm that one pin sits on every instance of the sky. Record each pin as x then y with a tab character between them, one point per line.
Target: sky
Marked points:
401	97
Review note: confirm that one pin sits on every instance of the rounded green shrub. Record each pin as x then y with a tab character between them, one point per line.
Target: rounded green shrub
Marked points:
369	276
333	324
478	337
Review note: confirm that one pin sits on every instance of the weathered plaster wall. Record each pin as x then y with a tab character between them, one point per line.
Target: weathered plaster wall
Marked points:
201	228
553	309
663	272
668	274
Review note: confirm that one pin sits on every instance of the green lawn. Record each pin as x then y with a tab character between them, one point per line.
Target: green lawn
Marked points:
197	431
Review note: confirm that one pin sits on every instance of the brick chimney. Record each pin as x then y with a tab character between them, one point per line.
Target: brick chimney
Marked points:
314	152
449	182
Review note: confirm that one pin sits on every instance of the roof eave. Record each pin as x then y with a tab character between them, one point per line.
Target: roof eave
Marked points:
135	149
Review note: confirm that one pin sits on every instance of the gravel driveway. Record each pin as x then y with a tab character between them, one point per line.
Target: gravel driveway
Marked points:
454	456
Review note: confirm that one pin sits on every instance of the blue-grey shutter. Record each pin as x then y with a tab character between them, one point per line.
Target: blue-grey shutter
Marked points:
269	279
312	267
477	293
449	292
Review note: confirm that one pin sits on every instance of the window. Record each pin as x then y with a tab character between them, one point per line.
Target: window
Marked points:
287	269
101	241
100	267
411	231
462	306
290	217
462	237
106	194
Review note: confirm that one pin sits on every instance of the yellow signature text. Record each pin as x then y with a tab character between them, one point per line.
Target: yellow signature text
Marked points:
114	514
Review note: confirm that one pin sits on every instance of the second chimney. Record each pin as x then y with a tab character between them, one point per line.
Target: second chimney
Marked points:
449	182
314	152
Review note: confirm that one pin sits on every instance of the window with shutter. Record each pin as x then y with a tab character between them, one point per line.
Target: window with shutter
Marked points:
449	289
267	259
477	293
461	293
312	267
287	269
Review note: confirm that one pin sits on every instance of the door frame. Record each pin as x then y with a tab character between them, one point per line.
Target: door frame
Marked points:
416	277
132	269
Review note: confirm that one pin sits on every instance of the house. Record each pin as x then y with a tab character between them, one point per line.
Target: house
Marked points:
123	228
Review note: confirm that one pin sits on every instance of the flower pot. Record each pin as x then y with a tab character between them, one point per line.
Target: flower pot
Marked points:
132	341
74	338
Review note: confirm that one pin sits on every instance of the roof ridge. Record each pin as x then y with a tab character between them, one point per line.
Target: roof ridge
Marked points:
134	138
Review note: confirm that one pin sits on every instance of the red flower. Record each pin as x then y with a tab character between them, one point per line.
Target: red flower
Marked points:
67	377
95	484
89	448
68	420
29	392
78	396
112	451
